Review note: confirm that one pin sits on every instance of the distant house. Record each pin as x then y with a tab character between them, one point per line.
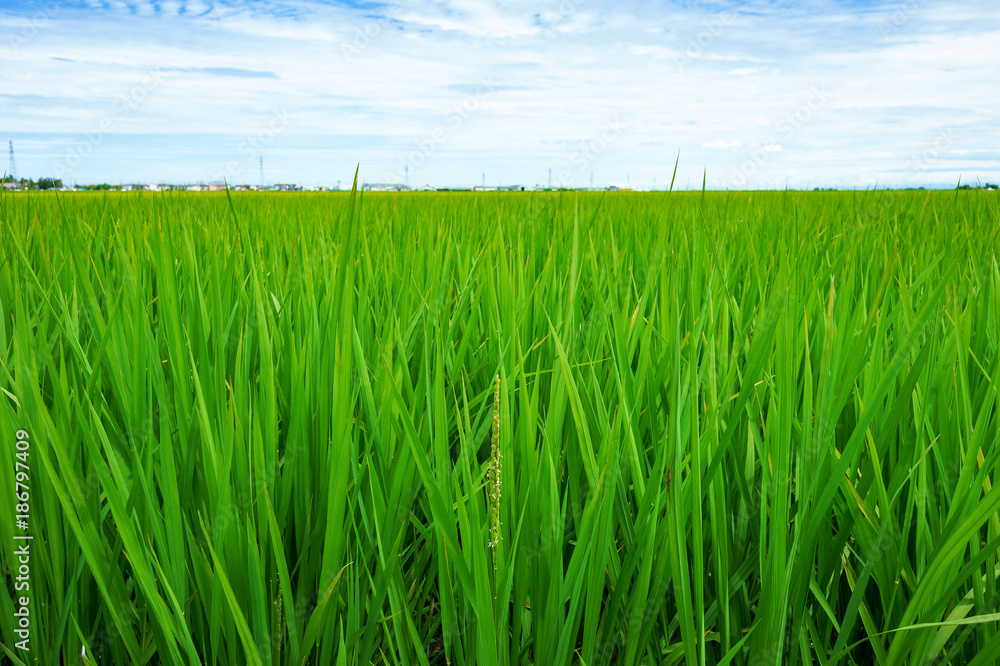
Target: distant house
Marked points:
216	187
10	185
196	188
285	187
385	187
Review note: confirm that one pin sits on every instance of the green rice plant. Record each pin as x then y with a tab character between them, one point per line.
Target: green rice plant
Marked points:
731	427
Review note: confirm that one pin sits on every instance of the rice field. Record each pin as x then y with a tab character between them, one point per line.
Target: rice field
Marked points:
527	428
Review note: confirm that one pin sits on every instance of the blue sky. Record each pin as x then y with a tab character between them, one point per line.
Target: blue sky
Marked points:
760	94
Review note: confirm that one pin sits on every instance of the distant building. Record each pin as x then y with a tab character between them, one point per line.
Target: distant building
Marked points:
10	185
385	187
286	187
216	187
196	188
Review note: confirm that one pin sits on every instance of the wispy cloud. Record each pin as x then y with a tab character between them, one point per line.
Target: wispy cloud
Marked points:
224	71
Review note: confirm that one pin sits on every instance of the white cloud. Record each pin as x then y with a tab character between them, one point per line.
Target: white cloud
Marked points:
722	144
367	85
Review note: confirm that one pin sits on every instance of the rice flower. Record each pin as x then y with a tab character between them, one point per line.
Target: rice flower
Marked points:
494	474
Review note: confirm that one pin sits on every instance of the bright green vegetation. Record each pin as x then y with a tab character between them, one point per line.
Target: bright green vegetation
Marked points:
733	428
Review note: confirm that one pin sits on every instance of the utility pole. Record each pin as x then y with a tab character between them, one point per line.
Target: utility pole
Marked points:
261	172
550	178
12	169
407	183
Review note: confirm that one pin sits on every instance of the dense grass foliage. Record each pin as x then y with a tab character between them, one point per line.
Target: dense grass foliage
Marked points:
746	428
